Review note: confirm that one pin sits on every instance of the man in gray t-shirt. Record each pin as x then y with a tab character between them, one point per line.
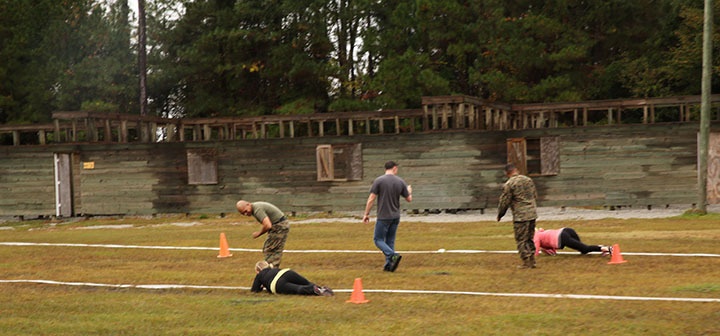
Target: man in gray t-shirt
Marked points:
387	189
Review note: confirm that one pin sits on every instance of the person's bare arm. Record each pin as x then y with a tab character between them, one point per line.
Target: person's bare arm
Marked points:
409	197
266	226
368	207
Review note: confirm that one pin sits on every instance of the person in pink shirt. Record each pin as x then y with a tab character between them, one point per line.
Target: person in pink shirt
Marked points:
549	241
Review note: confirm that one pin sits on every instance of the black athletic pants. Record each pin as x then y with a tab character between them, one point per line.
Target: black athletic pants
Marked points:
293	283
570	238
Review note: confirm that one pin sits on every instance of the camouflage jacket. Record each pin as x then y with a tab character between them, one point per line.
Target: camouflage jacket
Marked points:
518	194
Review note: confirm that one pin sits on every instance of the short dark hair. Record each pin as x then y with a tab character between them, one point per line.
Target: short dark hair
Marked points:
390	165
509	167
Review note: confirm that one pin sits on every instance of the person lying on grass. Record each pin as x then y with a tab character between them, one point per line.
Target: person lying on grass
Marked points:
284	281
549	241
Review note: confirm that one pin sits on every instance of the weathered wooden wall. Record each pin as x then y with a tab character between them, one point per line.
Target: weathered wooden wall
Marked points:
635	166
622	165
26	183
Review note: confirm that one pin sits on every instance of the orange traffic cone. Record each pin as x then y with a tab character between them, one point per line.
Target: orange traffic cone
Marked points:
357	294
616	257
224	250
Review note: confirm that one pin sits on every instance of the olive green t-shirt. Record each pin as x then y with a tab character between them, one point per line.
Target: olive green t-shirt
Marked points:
264	209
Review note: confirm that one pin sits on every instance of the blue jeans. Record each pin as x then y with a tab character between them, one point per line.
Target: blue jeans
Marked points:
384	238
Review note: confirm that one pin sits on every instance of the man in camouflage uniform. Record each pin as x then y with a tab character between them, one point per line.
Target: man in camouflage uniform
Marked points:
273	222
519	194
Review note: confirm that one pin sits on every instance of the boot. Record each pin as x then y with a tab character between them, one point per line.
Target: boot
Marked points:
531	261
528	263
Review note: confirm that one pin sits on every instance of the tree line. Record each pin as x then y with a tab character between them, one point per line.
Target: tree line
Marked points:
259	57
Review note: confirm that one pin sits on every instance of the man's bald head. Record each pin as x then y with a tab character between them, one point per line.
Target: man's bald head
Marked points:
244	207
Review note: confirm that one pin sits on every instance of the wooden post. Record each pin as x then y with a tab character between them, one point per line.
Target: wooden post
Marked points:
532	123
16	138
207	132
488	118
575	117
170	132
445	112
108	131
142	130
397	125
41	137
238	132
292	129
682	116
458	112
350	127
196	132
338	128
74	130
254	130
181	132
652	114
91	131
425	122
56	134
226	131
123	131
153	132
472	118
230	128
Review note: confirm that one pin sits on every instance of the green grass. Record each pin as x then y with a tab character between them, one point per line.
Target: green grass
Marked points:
41	309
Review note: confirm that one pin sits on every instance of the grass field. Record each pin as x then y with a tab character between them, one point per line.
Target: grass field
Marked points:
49	309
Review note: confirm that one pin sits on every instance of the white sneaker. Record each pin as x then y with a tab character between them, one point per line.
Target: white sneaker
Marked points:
606	250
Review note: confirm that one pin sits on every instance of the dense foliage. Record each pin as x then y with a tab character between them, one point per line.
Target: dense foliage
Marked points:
257	57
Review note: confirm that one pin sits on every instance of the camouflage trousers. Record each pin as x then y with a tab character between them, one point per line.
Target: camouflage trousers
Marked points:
275	242
524	234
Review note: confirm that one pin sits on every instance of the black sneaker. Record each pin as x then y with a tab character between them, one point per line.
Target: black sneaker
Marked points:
394	262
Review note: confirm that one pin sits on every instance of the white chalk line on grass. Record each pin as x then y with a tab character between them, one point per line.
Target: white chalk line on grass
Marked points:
398	291
92	284
439	251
